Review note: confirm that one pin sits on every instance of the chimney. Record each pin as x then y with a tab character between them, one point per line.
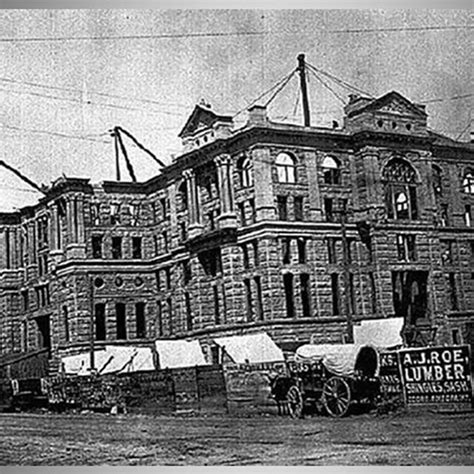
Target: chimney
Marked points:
353	98
257	115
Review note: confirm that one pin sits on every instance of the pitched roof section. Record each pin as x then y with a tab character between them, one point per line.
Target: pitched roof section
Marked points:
393	103
202	118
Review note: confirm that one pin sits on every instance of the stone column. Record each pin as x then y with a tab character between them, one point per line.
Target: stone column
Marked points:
314	194
75	248
195	227
264	201
228	217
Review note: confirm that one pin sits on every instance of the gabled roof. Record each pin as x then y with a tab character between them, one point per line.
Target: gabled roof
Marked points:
201	118
391	102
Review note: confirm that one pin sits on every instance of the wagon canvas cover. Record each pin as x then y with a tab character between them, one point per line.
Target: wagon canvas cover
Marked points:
339	359
251	348
111	359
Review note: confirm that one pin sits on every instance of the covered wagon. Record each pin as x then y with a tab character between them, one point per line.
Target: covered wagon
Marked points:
329	376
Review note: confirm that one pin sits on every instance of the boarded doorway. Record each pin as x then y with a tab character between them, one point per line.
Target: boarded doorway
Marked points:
410	297
44	334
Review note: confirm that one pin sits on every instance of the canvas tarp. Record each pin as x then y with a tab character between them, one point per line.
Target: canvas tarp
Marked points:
251	348
381	333
179	353
339	359
111	359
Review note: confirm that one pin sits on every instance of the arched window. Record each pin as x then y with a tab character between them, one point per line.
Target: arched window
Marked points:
400	190
331	170
468	183
182	197
286	168
244	167
437	180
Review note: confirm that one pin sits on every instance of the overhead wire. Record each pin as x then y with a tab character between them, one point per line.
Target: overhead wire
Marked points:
283	85
229	34
264	94
55	134
341	82
328	87
464	130
104	94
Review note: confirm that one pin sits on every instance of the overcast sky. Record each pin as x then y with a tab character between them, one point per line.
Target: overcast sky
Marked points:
69	76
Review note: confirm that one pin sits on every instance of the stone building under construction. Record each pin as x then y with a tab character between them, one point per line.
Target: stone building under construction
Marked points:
298	231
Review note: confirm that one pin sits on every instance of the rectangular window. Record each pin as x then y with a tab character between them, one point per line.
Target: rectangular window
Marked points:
282	208
66	324
245	256
243	221
158	280
217	313
335	293
189	312
187	273
25	300
373	293
7	248
286	250
116	247
288	285
183	231
259	301
164	236
135	214
248	299
136	247
332	255
115	214
444	215
256	259
301	250
169	304
298	209
472	251
211	220
121	320
305	295
253	214
168	278
140	320
95	213
447	253
328	209
352	299
100	322
467	215
406	247
164	208
453	296
159	319
97	246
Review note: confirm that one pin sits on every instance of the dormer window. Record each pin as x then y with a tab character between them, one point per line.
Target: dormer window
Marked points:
244	167
286	168
182	201
331	171
115	213
468	183
400	190
437	174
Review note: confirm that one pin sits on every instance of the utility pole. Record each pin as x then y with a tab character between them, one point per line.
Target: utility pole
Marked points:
346	274
92	327
304	91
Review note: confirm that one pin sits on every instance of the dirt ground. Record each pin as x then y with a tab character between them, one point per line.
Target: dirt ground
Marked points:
97	439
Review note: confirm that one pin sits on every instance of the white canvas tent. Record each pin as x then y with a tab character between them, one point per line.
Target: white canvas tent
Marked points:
179	353
250	348
382	333
111	359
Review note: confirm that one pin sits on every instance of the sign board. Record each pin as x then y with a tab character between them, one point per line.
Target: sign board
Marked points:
436	376
390	382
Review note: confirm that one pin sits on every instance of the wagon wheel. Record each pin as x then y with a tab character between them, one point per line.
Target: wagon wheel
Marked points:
295	401
336	396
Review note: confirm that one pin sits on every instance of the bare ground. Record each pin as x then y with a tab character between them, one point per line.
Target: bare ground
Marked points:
98	439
